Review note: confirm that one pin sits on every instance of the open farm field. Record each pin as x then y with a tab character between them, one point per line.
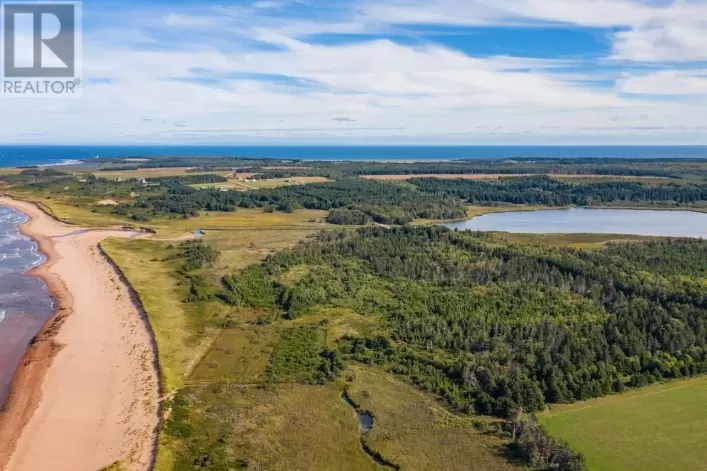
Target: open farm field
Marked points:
659	428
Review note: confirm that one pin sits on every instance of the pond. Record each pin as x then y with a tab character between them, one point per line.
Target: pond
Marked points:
365	420
592	221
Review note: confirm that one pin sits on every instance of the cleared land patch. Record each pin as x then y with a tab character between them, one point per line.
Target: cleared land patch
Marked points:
658	428
242	182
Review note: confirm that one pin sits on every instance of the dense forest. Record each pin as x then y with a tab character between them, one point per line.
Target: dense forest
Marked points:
492	326
543	190
33	176
584	166
380	202
189	179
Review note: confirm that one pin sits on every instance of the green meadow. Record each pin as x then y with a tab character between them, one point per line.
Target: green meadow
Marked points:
659	428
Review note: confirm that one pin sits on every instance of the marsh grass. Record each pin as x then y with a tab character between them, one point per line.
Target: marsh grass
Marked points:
411	430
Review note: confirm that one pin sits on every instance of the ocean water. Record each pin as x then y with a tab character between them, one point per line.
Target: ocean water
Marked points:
25	304
14	156
592	221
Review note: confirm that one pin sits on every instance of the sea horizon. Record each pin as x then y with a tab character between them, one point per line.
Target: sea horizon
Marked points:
30	155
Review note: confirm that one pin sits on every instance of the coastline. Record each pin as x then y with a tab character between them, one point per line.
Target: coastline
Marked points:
25	390
86	392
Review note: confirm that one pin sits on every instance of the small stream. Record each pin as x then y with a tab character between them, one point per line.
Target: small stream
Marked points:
365	422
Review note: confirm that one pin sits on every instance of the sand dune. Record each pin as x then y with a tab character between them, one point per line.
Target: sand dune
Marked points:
86	393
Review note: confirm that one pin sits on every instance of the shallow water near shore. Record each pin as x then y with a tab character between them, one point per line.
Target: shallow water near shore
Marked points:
592	221
25	304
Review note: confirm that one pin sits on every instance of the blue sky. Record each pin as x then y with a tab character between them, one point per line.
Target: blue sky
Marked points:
382	72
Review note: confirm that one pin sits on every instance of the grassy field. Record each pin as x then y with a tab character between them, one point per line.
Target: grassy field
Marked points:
285	427
413	432
577	241
660	428
278	182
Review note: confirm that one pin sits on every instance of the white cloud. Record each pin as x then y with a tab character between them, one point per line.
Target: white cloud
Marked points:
673	31
680	42
182	20
666	82
482	12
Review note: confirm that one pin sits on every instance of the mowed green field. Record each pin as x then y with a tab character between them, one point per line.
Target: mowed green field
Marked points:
659	428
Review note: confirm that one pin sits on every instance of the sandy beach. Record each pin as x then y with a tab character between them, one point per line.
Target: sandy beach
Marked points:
86	392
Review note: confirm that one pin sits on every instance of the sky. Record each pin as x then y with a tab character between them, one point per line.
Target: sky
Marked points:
481	72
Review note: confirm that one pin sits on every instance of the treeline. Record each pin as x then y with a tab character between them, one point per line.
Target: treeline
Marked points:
672	168
532	445
490	326
195	255
383	203
542	190
190	179
34	176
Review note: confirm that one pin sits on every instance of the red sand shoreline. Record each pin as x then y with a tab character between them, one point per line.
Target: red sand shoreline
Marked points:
24	396
47	381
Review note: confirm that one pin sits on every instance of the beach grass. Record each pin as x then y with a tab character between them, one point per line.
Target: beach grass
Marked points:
182	330
659	428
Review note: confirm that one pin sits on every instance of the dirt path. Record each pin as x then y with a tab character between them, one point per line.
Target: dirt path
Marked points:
86	393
